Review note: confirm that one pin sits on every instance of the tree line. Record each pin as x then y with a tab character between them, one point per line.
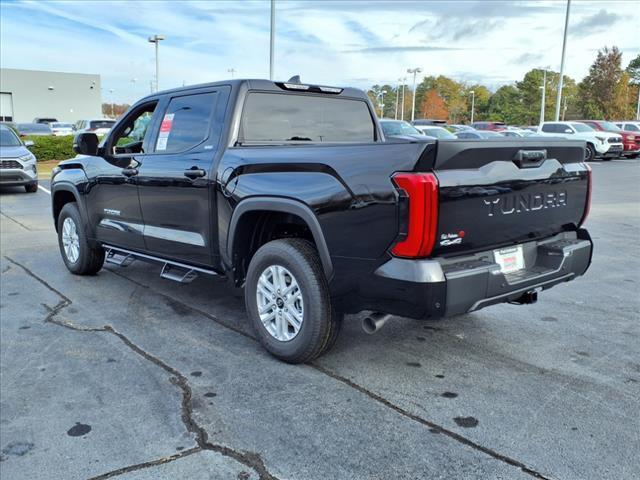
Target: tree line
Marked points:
609	92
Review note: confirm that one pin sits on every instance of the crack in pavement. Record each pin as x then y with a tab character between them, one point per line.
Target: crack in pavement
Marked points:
374	396
152	463
248	459
14	220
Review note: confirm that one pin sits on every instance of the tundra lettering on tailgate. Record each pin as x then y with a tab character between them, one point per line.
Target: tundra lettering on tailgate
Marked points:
508	204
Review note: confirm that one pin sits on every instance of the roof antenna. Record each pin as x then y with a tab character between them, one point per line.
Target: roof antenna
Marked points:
294	79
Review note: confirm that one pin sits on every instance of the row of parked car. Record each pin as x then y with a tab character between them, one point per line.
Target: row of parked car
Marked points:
51	126
603	139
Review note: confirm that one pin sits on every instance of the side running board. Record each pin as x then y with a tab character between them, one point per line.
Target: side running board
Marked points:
178	272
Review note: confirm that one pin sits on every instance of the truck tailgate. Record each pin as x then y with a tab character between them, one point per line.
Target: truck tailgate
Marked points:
497	193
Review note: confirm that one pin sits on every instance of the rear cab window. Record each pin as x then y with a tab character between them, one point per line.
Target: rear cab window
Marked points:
292	118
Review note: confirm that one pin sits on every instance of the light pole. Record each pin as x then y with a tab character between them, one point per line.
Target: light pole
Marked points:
415	71
156	39
111	92
382	92
397	97
272	37
564	48
232	71
543	87
638	107
473	103
404	81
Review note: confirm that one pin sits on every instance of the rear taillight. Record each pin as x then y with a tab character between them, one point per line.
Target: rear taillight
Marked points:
587	208
422	193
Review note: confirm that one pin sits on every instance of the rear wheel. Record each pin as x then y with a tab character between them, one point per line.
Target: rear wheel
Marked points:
79	257
589	153
288	303
32	187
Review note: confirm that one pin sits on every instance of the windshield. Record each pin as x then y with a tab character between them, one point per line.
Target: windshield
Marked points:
581	127
33	128
8	138
438	133
610	127
399	128
101	123
60	125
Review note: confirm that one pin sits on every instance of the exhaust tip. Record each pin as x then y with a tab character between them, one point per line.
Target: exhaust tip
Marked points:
374	322
369	326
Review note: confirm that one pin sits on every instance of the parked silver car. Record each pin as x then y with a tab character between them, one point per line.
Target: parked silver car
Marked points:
17	164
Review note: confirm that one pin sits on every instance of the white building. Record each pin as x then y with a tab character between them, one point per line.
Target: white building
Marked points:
67	97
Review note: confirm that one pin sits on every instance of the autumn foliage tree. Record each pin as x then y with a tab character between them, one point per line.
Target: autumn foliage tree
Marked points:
604	91
433	106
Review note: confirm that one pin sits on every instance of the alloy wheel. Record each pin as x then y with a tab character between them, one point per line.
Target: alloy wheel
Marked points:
280	303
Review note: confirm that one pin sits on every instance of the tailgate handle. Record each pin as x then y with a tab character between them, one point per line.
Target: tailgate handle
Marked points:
530	158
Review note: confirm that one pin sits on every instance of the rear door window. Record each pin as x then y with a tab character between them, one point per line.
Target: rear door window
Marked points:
281	118
185	123
549	128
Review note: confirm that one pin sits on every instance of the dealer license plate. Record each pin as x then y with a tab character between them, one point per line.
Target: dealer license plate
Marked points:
510	259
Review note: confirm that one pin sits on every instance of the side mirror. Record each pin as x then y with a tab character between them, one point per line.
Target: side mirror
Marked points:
568	130
86	144
28	143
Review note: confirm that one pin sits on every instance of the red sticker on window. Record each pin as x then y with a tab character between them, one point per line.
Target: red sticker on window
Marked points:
167	121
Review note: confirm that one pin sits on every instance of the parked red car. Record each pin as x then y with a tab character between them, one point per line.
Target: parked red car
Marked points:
493	126
630	140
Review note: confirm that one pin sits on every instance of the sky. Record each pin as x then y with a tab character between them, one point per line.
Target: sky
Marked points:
348	43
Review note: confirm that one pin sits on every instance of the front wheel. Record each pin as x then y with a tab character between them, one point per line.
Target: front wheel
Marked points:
79	257
589	153
31	187
288	302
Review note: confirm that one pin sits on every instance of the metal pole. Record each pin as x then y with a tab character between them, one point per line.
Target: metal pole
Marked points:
397	98
415	71
157	66
638	108
544	92
473	103
272	37
413	100
402	104
564	48
382	103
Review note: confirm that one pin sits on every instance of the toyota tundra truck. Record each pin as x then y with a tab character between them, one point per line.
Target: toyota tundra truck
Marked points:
292	192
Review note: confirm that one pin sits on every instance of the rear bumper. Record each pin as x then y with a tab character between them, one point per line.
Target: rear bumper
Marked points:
453	286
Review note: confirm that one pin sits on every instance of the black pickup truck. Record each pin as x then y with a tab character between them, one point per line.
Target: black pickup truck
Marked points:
291	191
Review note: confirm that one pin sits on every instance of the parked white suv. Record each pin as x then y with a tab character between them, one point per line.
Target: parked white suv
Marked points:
99	126
599	144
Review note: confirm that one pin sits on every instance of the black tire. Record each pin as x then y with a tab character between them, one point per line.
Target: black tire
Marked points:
334	333
590	153
32	187
320	325
89	260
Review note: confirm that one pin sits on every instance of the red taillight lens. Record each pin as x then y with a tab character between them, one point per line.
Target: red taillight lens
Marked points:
422	191
587	208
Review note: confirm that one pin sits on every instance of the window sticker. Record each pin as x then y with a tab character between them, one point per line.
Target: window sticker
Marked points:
165	130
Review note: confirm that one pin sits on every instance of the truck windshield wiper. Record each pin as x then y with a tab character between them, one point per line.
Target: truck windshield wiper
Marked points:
299	139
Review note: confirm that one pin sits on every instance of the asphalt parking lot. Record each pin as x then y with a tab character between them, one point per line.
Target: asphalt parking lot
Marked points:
127	375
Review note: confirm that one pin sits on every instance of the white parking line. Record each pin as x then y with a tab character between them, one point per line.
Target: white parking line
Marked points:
44	190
